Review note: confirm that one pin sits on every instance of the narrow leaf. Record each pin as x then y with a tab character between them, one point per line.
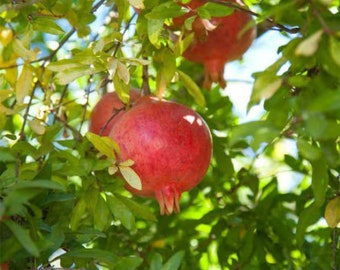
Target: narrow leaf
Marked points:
174	262
319	180
310	45
24	84
23	236
47	25
121	212
105	145
137	209
193	88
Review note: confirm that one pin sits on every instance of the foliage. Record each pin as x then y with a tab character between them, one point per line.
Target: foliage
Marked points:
57	57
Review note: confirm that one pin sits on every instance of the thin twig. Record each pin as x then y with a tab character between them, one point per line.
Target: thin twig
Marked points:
280	27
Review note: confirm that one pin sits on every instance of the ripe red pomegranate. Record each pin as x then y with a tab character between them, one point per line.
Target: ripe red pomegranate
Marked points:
107	111
170	145
217	41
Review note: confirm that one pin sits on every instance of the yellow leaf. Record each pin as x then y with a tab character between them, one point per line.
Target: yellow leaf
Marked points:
127	163
6	36
37	126
139	4
21	50
112	170
24	84
131	177
309	46
332	212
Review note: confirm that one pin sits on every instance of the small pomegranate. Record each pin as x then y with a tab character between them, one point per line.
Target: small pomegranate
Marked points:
4	266
107	111
217	41
170	145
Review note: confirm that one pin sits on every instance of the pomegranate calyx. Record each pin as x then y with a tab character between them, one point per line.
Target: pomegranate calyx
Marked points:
168	199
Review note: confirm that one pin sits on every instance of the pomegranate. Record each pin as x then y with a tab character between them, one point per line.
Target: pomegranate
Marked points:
217	41
4	266
107	111
170	145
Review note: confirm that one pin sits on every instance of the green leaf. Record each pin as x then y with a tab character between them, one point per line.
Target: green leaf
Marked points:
319	180
131	177
121	212
154	28
174	262
166	10
209	10
308	217
156	262
47	25
105	145
121	88
128	263
78	214
334	48
265	86
69	75
165	63
46	184
23	236
192	88
93	253
137	209
308	151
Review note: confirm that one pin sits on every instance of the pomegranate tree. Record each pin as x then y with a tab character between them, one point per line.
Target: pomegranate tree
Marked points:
170	145
217	41
107	111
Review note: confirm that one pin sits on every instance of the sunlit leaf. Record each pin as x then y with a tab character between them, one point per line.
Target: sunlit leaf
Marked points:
24	85
47	25
265	86
155	27
131	177
165	10
103	144
214	10
139	4
192	88
123	72
37	126
22	51
334	45
309	45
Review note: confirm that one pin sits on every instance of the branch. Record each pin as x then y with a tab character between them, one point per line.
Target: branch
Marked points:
275	25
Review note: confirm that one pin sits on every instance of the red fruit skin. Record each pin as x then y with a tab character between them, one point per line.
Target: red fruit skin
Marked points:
170	145
4	266
107	111
226	42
